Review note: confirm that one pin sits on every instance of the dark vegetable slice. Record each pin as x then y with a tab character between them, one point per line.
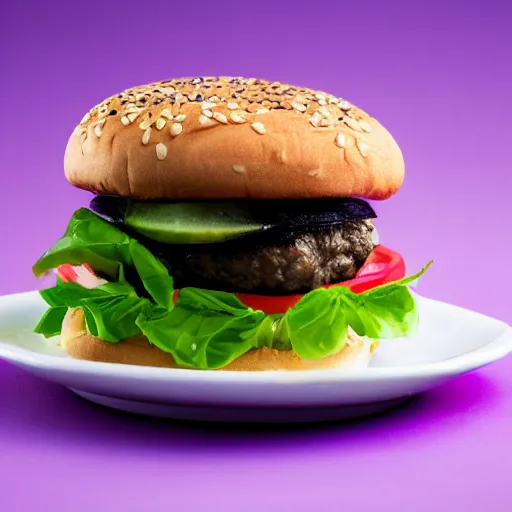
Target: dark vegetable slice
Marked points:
218	221
110	208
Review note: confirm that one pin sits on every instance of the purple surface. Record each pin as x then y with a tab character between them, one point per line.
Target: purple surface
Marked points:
437	75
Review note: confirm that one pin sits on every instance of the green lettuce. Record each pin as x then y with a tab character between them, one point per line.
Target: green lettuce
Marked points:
206	329
325	314
92	240
111	310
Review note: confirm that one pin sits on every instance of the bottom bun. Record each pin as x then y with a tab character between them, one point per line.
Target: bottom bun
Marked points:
79	344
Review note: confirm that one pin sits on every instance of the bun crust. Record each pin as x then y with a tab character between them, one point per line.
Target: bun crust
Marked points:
79	344
201	138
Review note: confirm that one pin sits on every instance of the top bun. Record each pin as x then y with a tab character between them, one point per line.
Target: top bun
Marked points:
211	137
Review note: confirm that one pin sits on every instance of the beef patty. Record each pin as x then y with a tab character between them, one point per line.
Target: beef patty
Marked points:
290	264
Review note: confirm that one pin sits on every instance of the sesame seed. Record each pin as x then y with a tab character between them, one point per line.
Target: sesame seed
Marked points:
85	118
315	119
259	128
232	105
207	113
344	105
221	118
160	123
239	169
101	122
205	121
97	130
161	151
324	112
325	122
352	123
365	126
322	102
125	120
146	135
214	98
262	111
180	118
193	346
140	96
145	124
167	114
320	96
176	129
206	105
131	117
132	110
299	106
314	172
237	118
363	147
340	140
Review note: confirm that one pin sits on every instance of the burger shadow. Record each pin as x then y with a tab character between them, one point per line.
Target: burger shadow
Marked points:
35	411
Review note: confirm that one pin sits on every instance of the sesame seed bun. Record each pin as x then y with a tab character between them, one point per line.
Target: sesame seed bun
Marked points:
79	344
202	138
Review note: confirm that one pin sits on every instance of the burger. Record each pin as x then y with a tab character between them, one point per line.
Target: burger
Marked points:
229	229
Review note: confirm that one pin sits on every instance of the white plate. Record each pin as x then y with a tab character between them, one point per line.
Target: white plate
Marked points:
451	341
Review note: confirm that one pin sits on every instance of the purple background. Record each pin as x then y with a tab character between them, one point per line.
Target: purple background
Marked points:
437	74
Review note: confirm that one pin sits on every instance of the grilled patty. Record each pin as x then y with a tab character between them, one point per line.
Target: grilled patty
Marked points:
289	264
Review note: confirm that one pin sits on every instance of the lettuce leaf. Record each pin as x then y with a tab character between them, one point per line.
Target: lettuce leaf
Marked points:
206	329
317	325
111	310
92	240
387	311
50	324
206	339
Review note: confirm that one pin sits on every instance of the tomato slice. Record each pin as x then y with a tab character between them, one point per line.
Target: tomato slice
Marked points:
81	274
382	266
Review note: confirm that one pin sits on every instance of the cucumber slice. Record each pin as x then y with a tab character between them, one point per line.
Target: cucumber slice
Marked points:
190	223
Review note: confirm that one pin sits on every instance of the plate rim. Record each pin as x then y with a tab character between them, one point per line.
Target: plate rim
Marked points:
492	351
